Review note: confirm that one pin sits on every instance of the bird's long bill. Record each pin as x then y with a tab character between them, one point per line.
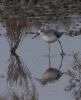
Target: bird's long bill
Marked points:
35	36
37	79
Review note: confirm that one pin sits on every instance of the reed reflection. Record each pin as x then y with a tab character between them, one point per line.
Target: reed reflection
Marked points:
74	74
19	75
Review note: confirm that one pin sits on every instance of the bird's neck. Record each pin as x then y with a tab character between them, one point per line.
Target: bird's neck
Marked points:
41	33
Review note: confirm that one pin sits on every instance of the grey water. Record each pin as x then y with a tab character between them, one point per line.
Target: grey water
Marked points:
22	59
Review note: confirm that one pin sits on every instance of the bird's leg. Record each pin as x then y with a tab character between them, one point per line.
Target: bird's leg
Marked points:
49	56
62	53
49	49
62	57
36	35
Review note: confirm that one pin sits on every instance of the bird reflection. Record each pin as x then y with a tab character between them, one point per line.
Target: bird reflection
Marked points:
51	74
19	74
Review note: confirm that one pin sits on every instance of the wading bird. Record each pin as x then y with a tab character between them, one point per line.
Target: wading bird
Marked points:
50	36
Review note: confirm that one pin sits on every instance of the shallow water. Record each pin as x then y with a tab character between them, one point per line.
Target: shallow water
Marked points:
22	59
34	53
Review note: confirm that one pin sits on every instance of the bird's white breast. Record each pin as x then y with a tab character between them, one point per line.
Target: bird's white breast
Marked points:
49	39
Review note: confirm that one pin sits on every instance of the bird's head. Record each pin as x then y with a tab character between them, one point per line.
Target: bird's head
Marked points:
61	33
40	32
42	81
